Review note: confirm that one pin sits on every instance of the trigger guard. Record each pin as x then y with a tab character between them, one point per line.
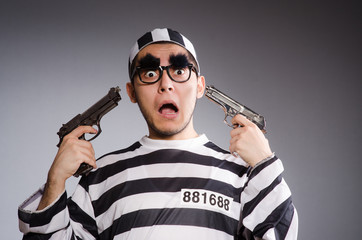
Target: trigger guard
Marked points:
227	123
99	130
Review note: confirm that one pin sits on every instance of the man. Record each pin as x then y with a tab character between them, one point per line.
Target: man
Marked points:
173	183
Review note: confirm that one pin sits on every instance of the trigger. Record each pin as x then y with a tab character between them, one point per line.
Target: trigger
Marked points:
230	124
227	123
91	136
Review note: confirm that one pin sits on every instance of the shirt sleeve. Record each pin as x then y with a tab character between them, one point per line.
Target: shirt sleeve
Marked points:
53	218
267	208
63	219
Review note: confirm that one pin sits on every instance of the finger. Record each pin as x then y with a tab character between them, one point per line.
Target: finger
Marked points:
86	145
73	140
88	152
241	120
79	131
80	149
237	138
237	131
89	160
233	150
234	140
83	157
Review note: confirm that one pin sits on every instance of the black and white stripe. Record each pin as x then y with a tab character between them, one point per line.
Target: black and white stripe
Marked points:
135	194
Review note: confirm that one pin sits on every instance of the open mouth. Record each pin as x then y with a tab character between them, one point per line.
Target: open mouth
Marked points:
168	108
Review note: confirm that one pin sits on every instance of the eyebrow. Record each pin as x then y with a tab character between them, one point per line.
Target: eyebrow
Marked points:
179	60
149	61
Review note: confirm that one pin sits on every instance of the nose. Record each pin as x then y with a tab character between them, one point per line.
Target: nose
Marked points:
166	83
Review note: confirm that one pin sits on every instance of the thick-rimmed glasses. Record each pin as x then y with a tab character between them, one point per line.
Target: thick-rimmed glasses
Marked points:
151	75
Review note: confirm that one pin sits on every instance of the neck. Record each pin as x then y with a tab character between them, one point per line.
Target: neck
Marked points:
186	133
173	137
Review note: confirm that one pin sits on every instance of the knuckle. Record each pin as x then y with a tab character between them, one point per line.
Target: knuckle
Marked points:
67	141
72	142
88	144
249	128
67	137
246	128
81	127
79	157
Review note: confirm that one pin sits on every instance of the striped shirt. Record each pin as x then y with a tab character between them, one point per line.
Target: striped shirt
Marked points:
156	189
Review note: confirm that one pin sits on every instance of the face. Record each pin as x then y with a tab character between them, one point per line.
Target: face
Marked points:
166	105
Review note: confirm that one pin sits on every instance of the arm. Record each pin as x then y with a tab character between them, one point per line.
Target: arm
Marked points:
54	222
267	208
72	152
47	212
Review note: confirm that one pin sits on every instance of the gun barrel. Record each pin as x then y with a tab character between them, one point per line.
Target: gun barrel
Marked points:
93	114
217	96
232	107
102	107
90	117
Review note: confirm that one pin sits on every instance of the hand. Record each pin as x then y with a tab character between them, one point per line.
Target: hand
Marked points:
72	152
248	141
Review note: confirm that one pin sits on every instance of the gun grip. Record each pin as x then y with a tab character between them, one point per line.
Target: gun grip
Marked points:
83	169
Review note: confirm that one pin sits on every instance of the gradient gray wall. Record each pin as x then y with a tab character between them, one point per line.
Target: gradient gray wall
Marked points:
296	62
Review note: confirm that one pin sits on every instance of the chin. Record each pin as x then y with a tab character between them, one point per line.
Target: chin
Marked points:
167	131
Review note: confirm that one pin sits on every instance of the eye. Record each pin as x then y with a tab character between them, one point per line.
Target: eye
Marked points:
179	71
150	73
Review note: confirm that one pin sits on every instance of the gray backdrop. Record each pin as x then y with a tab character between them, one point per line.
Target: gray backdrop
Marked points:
296	62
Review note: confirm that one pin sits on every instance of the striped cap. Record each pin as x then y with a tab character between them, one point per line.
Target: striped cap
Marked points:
161	35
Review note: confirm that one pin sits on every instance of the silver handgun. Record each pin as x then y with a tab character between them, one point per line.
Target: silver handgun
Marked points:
232	107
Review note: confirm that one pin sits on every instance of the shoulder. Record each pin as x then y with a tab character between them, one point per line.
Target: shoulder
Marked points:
108	163
131	148
218	152
215	147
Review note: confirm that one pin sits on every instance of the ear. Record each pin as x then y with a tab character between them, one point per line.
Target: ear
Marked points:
200	86
131	92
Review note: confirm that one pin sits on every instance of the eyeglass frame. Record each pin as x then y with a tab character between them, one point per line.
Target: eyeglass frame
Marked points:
162	68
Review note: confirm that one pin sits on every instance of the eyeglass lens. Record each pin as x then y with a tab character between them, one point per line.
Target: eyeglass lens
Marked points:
177	74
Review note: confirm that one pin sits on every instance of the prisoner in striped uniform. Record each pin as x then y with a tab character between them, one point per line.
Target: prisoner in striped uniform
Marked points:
173	183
